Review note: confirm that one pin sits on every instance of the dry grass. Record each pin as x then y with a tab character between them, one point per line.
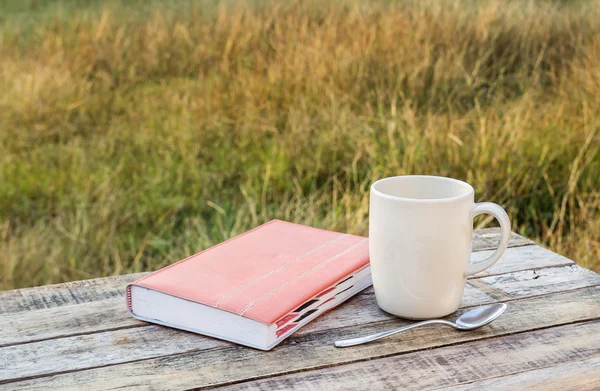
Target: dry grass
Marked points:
131	137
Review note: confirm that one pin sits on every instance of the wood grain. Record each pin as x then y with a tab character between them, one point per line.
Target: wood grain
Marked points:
98	349
79	335
537	282
65	321
494	360
111	314
147	341
520	258
489	238
70	293
314	350
571	376
363	309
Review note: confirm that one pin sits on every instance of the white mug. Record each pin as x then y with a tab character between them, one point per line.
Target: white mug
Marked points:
420	230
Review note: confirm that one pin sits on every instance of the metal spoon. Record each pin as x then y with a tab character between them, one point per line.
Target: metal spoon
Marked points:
470	320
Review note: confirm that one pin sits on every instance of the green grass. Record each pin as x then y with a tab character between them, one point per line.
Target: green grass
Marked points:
133	134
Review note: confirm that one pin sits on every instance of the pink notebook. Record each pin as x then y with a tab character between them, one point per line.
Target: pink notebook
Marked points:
256	288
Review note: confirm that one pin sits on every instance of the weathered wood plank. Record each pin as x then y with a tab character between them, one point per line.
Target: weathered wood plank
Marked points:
98	349
87	291
536	282
492	360
489	238
70	293
65	321
572	376
315	350
363	309
521	258
111	314
118	346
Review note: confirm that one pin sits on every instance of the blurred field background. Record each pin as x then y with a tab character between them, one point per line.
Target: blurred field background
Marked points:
133	134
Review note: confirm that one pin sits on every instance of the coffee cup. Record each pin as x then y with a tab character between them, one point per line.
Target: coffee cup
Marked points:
420	231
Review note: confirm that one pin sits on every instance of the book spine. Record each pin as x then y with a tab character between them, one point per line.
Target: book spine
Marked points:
128	298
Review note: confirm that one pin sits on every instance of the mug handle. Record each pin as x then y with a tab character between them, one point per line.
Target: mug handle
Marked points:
500	214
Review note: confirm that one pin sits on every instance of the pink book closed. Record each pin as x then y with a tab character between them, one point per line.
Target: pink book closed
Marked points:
256	288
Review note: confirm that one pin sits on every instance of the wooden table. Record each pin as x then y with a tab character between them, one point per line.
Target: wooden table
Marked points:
78	335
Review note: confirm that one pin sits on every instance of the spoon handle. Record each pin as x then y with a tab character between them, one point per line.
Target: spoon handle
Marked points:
373	337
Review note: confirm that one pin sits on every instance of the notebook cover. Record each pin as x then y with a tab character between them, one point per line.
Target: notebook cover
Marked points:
264	273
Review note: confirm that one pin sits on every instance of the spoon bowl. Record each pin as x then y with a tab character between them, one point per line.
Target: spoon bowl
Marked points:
480	316
470	320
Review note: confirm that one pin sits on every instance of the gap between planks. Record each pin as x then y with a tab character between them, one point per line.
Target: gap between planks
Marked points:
4	382
517	283
308	352
450	367
336	311
509	286
110	314
30	327
581	375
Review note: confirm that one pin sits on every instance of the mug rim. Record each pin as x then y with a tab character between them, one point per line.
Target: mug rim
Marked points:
469	193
